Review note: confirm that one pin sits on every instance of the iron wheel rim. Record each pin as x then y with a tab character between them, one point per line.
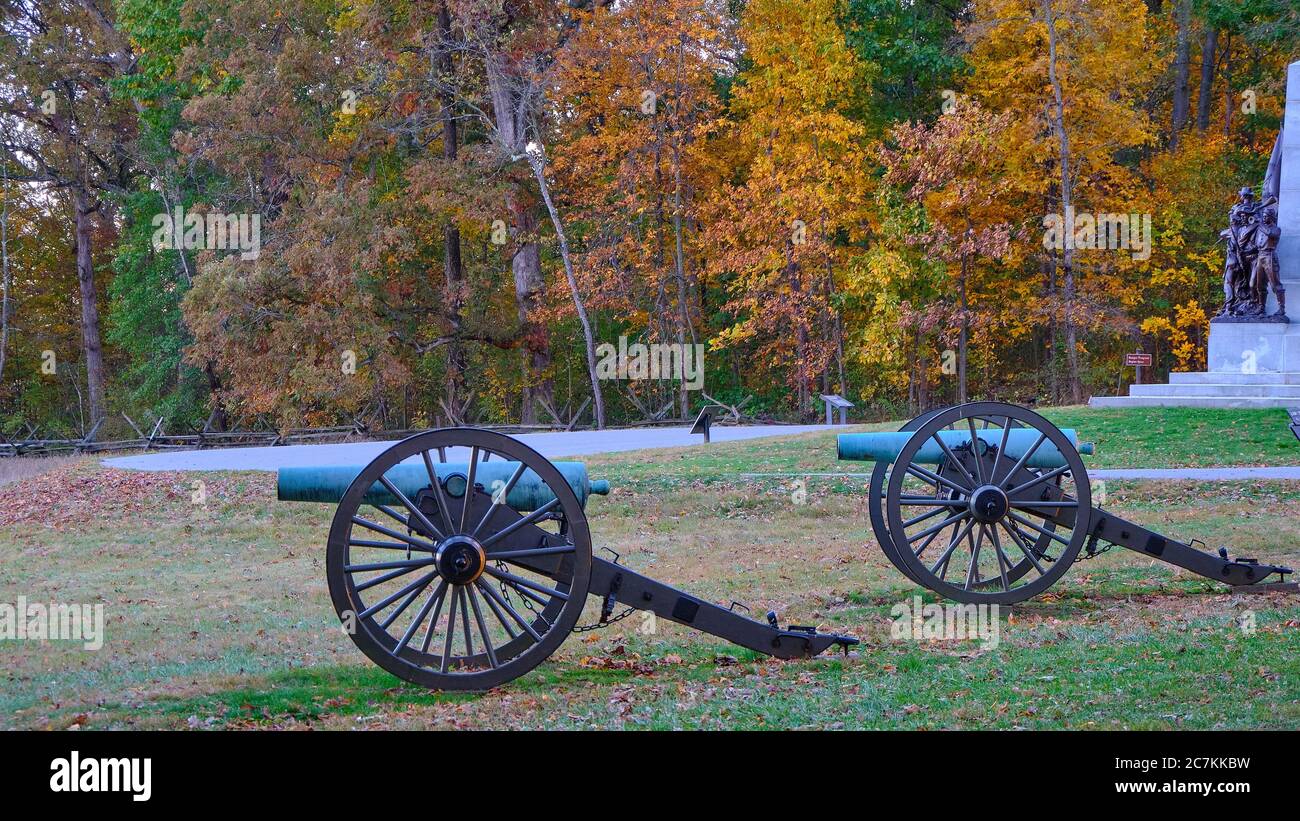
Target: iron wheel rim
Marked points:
471	604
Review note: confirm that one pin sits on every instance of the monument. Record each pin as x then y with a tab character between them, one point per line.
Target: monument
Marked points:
1254	348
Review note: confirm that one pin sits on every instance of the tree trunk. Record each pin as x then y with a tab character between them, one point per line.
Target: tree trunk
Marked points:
1228	102
511	104
219	421
922	372
538	162
92	348
1205	99
1182	71
963	337
527	269
1067	205
453	269
4	273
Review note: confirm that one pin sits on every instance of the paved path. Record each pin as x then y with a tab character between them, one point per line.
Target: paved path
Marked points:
550	445
1200	474
1175	474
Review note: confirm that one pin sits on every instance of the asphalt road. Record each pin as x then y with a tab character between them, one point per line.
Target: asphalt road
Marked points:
581	443
550	445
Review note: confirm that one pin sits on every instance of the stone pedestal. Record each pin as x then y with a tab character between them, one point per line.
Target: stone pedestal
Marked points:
1251	364
1288	198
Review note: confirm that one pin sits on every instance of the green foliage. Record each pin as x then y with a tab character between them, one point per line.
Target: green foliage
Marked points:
145	319
912	44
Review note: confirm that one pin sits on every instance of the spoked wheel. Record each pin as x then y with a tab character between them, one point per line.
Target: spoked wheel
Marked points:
452	587
880	524
979	521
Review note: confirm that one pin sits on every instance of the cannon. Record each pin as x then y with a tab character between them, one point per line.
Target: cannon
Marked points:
460	559
991	503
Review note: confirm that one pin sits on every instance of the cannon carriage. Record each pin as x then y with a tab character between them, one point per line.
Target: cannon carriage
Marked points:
460	559
991	503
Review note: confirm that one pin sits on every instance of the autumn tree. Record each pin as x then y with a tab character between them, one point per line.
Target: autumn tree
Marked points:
797	189
65	129
1071	74
957	170
638	84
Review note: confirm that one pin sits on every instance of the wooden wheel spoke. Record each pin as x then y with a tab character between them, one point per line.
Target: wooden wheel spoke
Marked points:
441	595
512	555
421	582
1025	457
935	479
531	518
469	489
413	541
393	616
1002	446
385	545
1042	530
1004	563
961	514
927	501
1044	477
975	449
417	621
916	520
410	563
500	617
505	605
1014	533
952	545
451	624
952	458
972	569
387	577
499	498
411	506
482	628
439	493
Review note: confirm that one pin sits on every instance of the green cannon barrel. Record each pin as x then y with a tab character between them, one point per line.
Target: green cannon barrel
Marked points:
328	484
885	447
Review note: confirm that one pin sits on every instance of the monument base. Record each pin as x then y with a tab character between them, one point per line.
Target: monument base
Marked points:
1240	320
1254	362
1252	365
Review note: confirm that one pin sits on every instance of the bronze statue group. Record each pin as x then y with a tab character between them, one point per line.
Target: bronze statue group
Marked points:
1252	266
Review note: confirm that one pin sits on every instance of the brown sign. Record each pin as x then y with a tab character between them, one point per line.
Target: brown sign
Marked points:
1137	360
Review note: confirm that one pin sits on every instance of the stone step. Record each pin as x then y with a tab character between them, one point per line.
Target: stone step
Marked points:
1231	378
1192	402
1226	390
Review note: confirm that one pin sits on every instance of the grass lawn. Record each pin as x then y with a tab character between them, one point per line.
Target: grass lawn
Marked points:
218	616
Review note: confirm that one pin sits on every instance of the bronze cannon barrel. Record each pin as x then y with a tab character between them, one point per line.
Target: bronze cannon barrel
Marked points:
886	446
328	484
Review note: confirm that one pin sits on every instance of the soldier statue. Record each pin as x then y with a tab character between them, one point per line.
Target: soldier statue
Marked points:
1239	296
1245	280
1266	273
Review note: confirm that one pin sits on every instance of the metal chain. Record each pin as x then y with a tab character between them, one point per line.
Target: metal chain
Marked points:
587	628
1092	551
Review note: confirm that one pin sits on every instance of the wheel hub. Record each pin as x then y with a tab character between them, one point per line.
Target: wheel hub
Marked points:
460	560
989	503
